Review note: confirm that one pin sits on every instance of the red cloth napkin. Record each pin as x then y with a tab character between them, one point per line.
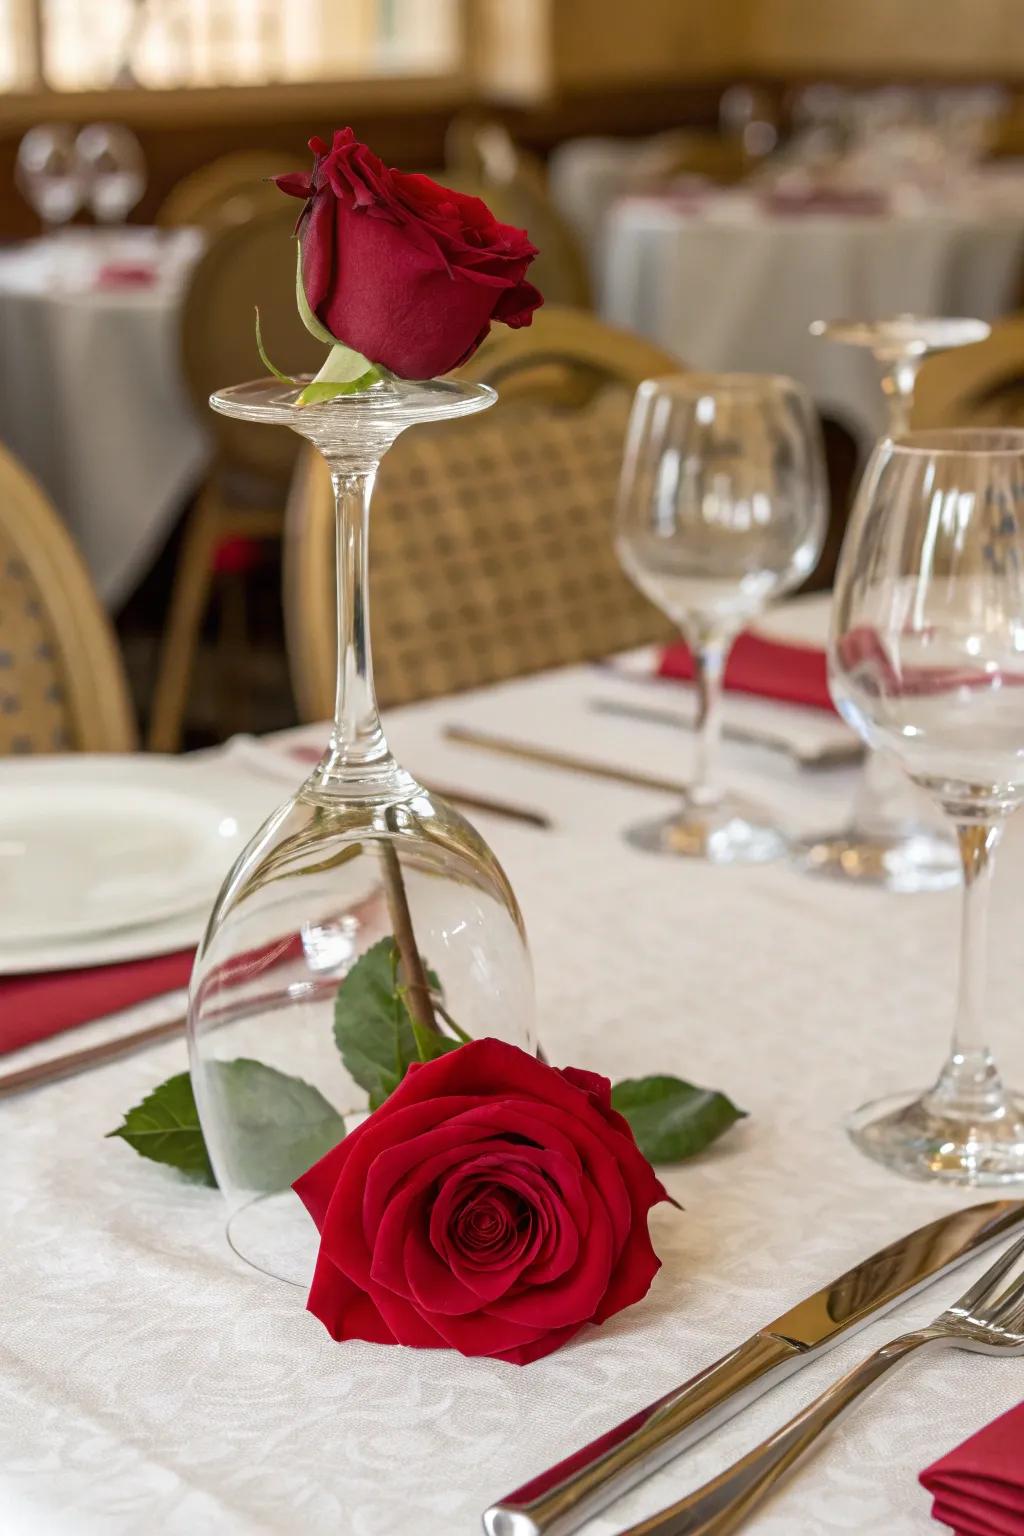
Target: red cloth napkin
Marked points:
979	1487
125	274
797	674
35	1007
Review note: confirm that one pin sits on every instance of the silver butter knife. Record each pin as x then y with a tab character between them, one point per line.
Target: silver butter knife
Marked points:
835	754
563	1497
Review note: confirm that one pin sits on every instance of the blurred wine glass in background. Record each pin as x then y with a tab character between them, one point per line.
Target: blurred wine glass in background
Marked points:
113	170
721	509
49	174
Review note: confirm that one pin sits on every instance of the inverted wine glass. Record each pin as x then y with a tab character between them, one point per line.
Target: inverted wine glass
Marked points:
363	900
927	663
721	509
49	175
113	168
886	842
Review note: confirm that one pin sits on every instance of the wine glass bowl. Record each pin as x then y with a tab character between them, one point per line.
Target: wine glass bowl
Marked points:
927	663
48	174
721	508
113	170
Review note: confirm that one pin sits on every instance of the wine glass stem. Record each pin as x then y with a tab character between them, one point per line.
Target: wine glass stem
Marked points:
899	375
977	849
357	739
709	671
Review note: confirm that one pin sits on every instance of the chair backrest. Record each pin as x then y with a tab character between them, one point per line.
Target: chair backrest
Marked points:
484	160
976	386
62	680
246	266
228	190
492	552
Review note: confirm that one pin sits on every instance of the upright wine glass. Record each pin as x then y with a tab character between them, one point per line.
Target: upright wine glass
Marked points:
721	508
927	661
48	174
114	170
885	842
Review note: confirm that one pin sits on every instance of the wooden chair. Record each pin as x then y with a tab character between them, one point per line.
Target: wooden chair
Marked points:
242	500
492	550
978	386
484	160
62	680
230	190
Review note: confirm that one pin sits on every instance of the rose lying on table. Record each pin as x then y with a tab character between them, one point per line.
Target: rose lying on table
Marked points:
489	1202
493	1204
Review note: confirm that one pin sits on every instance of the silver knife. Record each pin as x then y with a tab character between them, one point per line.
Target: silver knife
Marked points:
560	1499
835	754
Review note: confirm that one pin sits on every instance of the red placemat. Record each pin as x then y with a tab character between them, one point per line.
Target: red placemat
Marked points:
796	674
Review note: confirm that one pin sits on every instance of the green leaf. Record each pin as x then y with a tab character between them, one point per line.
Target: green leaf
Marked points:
165	1127
430	1044
326	389
673	1120
281	1124
372	1027
264	359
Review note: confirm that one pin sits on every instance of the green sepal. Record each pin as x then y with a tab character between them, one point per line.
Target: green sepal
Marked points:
673	1120
264	359
306	315
344	373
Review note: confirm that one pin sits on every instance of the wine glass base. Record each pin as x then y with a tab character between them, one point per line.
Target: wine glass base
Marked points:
729	832
900	860
905	1133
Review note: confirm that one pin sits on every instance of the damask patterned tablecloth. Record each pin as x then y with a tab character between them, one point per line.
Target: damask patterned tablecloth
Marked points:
149	1381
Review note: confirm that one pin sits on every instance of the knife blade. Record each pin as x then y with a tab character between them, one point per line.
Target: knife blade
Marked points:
560	1499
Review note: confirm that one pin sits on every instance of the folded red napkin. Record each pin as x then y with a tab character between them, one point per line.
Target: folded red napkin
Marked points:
797	674
40	1005
978	1488
125	274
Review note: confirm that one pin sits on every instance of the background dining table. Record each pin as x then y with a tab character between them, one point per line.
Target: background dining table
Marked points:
150	1380
729	282
92	397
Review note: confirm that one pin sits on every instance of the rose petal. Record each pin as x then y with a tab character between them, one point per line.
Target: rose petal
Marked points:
345	1310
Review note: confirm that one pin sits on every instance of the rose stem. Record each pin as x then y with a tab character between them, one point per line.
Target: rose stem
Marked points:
417	986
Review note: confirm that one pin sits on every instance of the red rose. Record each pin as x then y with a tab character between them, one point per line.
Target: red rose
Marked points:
400	269
492	1205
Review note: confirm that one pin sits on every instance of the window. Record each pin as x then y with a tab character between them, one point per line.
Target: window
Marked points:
82	45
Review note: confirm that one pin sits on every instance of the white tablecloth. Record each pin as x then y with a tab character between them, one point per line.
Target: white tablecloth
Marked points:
149	1381
733	288
91	394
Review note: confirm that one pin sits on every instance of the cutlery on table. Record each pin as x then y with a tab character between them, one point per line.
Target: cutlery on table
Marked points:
73	1062
547	757
563	1497
834	754
987	1320
277	761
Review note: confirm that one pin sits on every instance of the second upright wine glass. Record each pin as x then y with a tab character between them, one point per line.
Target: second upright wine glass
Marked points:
721	509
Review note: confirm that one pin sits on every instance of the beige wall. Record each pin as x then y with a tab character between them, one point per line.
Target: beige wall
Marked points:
947	37
533	47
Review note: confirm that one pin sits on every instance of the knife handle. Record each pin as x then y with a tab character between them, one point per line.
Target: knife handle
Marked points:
560	1499
723	1504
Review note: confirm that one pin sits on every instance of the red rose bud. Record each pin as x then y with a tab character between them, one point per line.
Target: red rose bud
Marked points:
404	271
492	1205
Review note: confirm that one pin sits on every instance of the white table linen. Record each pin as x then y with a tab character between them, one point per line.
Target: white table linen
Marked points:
727	286
150	1381
91	393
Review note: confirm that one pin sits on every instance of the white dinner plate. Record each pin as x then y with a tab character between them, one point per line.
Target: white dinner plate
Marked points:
105	857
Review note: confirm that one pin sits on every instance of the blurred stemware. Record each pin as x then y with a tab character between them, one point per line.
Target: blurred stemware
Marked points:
49	175
721	509
885	842
927	661
113	170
